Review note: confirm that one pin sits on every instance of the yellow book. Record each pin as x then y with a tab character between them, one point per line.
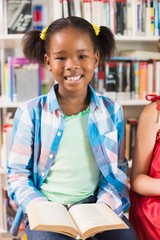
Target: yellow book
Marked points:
80	221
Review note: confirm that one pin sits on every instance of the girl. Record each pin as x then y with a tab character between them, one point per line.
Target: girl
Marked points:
68	145
145	173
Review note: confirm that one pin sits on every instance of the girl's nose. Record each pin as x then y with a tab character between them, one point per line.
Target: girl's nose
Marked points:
71	64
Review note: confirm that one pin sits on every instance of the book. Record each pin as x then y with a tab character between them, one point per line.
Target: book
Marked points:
71	8
86	10
65	8
120	74
101	79
143	79
128	137
19	16
77	8
119	17
6	136
40	15
80	221
23	74
131	128
57	9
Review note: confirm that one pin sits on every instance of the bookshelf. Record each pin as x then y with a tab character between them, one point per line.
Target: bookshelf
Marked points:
132	107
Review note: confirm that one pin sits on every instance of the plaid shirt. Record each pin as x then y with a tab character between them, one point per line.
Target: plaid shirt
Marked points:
37	131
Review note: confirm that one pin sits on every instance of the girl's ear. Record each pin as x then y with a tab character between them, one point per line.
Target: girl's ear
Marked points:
96	59
47	62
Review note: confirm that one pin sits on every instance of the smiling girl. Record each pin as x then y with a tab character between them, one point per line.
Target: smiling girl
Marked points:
68	145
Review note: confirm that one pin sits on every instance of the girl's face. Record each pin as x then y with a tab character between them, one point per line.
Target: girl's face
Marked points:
71	59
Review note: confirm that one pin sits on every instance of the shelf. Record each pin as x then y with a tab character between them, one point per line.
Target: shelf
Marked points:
133	102
7	104
133	38
130	102
13	40
10	40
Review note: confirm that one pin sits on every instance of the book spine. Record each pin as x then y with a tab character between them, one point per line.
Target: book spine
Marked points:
125	17
119	17
155	6
93	11
128	81
101	79
133	128
112	16
139	17
77	8
65	8
143	79
107	12
111	80
6	81
152	23
129	18
132	80
10	78
157	90
154	75
134	17
120	95
158	17
86	10
136	79
57	9
71	10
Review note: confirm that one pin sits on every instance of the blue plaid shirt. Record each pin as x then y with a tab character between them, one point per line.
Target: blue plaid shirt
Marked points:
37	131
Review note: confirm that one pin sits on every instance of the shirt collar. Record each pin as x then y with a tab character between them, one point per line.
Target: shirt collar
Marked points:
53	104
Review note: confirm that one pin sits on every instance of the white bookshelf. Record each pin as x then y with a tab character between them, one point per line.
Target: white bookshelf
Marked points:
132	107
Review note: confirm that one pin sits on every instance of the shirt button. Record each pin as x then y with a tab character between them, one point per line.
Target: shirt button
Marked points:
50	155
58	134
43	174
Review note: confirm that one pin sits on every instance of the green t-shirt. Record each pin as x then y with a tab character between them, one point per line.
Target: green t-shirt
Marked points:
75	173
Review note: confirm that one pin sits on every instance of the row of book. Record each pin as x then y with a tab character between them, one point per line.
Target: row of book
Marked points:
128	78
125	17
24	79
122	78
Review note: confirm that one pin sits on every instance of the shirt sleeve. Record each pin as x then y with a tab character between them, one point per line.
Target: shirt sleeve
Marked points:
113	189
20	185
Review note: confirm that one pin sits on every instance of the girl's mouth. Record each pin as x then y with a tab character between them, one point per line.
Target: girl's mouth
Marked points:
73	78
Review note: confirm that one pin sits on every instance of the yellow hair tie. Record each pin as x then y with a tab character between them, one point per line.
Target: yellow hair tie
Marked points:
43	33
96	29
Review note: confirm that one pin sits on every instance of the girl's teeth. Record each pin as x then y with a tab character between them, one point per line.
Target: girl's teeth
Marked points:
76	78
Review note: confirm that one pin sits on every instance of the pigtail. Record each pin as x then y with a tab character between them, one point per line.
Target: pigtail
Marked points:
106	44
33	46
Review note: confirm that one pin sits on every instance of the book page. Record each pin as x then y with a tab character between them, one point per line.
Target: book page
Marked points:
96	217
50	216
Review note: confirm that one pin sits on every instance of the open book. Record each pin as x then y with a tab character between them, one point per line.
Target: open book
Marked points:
80	221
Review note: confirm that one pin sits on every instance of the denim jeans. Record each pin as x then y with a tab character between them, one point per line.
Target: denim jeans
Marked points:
120	234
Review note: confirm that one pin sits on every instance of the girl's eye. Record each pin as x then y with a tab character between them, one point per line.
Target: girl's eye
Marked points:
60	58
82	56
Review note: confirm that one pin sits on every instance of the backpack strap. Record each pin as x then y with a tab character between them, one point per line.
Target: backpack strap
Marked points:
153	98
